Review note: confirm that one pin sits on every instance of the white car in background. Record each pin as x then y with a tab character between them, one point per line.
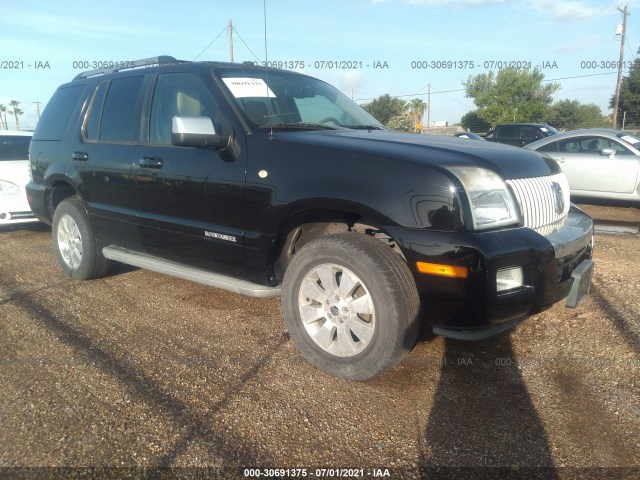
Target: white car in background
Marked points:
600	163
14	175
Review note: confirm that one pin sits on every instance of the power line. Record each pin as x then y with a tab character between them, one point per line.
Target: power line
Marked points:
245	43
205	48
422	94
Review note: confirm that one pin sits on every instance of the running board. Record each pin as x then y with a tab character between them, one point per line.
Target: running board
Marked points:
149	262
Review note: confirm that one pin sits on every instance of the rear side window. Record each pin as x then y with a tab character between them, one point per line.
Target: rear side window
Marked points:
92	127
120	121
507	131
14	147
56	115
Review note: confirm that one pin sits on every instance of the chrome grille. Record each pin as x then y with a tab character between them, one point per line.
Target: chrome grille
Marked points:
540	199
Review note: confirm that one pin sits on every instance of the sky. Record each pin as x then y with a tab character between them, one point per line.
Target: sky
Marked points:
366	48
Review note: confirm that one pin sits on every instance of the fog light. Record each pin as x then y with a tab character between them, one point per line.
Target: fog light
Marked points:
509	278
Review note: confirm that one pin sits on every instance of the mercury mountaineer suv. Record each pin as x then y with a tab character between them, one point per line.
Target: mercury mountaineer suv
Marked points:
273	183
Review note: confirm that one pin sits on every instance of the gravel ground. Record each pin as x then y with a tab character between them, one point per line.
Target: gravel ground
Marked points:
142	371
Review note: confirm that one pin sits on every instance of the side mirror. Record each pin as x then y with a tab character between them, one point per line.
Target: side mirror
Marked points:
608	152
196	132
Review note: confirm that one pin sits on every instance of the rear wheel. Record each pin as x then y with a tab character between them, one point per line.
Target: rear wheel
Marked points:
77	250
351	305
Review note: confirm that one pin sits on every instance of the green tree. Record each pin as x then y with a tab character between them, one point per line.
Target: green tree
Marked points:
471	121
629	101
385	107
417	110
16	112
3	117
511	95
571	114
405	122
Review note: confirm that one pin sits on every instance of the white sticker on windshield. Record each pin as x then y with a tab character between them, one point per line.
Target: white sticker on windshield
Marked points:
629	139
248	87
544	129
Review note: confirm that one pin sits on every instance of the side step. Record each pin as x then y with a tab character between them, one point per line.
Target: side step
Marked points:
149	262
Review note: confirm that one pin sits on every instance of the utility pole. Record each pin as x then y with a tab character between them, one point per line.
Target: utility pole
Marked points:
616	100
38	102
231	40
428	107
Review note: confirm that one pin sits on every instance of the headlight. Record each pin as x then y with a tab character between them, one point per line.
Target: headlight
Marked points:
8	189
492	204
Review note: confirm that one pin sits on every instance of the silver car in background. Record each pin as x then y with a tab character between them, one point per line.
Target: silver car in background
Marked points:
14	175
599	163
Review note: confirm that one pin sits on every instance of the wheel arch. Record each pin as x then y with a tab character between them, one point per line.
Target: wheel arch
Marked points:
57	191
304	226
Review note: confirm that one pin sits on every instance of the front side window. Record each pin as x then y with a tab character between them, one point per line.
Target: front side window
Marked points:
179	94
289	100
530	133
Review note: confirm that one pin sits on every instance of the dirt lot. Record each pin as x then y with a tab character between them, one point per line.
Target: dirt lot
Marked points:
143	370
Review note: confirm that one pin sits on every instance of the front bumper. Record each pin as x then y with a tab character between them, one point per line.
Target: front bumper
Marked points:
473	307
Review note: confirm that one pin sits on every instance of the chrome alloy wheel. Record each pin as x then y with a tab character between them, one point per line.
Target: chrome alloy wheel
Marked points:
69	241
337	310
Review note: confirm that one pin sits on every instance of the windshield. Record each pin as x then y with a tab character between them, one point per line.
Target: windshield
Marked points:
630	139
549	131
286	99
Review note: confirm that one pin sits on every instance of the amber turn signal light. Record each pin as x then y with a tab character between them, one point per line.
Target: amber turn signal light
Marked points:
442	270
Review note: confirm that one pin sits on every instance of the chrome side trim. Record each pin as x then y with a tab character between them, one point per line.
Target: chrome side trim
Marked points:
149	262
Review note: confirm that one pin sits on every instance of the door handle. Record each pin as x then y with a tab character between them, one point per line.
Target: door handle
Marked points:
150	162
560	160
80	156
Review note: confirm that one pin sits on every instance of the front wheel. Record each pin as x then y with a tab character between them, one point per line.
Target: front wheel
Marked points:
351	305
78	252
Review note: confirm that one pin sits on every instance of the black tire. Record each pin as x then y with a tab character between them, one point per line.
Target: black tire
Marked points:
386	286
77	250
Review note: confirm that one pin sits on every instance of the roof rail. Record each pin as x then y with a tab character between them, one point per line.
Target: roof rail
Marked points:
118	66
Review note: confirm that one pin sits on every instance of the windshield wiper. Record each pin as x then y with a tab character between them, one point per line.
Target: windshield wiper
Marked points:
302	126
364	127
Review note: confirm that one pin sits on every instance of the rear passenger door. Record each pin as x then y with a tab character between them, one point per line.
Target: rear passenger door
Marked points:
191	200
103	160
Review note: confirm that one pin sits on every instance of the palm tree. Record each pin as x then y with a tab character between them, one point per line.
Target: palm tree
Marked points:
3	117
16	112
417	109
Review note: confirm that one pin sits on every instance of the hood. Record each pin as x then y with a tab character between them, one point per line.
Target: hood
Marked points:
430	150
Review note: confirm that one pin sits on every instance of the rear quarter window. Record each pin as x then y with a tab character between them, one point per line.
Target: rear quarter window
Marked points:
56	115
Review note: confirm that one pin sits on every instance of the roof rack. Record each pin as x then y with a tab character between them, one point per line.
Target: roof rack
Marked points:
118	66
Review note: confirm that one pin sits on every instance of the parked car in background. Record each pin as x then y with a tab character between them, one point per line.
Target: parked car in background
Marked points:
599	163
14	175
520	134
469	135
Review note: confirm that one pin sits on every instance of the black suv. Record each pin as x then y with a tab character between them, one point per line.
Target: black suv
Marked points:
520	134
269	182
